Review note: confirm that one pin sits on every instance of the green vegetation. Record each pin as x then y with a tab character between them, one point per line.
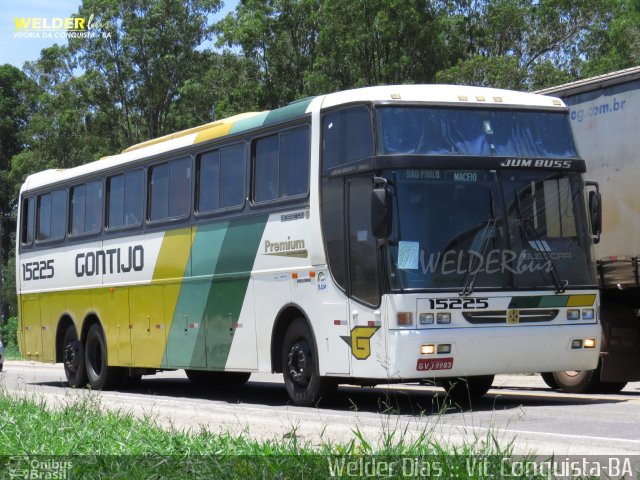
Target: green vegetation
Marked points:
116	445
8	334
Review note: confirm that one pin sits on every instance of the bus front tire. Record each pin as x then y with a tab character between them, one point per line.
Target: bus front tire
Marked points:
300	367
550	380
73	359
100	375
464	390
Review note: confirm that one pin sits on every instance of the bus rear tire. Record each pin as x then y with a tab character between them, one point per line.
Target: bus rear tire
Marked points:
550	380
205	378
101	376
302	380
73	359
573	381
464	390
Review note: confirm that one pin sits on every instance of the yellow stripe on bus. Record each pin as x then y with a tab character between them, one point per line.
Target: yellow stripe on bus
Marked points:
222	128
581	300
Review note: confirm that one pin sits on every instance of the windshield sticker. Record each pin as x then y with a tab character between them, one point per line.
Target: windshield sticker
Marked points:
465	177
408	255
421	174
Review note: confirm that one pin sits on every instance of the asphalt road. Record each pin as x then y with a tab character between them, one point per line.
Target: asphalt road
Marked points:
519	409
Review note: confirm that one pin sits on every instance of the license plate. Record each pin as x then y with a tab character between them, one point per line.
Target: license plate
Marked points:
425	364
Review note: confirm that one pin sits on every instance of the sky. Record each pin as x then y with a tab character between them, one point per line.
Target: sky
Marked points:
18	50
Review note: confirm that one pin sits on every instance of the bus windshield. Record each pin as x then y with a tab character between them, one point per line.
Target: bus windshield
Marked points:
512	229
486	132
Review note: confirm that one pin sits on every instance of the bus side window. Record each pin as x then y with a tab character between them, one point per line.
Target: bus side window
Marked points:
221	178
179	188
52	215
170	190
281	165
86	208
346	136
124	199
28	209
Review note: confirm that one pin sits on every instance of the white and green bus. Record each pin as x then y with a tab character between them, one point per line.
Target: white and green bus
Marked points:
378	235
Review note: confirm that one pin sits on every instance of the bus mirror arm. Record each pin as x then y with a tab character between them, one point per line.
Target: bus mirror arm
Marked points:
595	210
381	208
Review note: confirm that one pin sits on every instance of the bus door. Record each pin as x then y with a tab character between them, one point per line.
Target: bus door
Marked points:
30	324
367	339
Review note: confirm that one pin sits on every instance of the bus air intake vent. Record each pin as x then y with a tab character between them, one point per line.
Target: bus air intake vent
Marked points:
500	316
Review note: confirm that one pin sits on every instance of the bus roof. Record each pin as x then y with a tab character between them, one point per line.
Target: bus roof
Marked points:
436	94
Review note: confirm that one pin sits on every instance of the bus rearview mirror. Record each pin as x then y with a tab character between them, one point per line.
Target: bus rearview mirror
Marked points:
380	210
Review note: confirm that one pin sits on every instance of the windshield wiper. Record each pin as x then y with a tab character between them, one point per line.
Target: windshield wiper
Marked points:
487	234
540	247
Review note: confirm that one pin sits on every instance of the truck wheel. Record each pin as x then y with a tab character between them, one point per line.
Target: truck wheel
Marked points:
300	367
463	390
101	376
73	359
204	378
550	380
573	381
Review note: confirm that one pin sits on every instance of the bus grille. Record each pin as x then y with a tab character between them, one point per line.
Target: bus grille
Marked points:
500	316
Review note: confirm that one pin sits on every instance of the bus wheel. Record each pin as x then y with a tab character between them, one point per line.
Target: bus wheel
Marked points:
611	387
204	378
550	380
300	367
100	375
463	390
73	359
573	381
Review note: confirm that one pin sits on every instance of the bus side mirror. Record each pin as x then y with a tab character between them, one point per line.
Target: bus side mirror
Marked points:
380	208
595	211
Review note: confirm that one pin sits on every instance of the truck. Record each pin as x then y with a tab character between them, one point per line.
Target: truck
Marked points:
605	114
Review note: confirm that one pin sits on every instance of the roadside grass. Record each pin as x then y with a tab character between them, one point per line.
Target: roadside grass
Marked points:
88	440
9	336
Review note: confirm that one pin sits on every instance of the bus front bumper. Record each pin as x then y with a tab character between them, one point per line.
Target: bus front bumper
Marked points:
492	350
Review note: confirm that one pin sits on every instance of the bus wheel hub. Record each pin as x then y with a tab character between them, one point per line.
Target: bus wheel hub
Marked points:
297	364
70	355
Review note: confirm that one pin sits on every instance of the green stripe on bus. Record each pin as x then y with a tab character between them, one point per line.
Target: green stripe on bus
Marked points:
227	294
524	302
553	301
181	350
210	301
291	111
248	123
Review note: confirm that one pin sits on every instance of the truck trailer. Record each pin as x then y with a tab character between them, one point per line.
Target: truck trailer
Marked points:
605	115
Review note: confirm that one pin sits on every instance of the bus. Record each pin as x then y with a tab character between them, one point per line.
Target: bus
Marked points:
377	235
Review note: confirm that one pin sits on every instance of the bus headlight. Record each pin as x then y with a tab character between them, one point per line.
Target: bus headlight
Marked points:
573	314
589	343
588	314
428	349
443	317
425	318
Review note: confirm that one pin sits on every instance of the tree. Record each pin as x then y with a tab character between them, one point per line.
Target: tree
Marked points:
15	111
614	42
279	37
307	47
517	43
145	51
